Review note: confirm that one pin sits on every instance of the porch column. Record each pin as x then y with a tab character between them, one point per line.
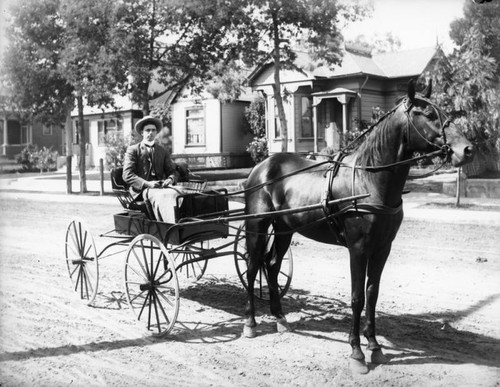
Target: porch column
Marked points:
315	125
344	118
4	144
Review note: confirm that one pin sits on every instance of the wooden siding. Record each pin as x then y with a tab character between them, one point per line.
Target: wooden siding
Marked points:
234	139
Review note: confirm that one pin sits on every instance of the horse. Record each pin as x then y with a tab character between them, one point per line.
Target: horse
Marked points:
366	226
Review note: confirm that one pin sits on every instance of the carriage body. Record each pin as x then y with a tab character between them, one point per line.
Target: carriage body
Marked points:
188	206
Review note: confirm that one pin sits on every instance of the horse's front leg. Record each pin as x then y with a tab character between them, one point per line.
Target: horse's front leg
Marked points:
375	267
358	262
273	265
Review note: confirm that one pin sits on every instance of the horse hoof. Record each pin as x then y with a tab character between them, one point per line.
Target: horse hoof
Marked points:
376	356
358	366
249	332
282	325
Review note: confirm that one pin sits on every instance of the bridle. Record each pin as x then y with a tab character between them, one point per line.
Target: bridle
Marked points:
445	149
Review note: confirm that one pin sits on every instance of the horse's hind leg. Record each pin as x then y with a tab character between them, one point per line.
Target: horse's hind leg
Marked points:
374	272
256	245
273	265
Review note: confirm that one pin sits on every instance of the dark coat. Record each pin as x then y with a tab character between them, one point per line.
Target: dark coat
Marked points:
137	167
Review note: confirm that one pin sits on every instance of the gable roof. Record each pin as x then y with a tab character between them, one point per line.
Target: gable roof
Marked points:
355	62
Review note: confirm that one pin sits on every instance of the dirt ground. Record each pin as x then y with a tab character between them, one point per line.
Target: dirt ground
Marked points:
438	312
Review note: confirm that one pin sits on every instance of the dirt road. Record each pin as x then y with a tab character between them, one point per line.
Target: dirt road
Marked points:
438	312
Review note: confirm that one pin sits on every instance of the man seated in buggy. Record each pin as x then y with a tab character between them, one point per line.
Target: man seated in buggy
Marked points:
150	173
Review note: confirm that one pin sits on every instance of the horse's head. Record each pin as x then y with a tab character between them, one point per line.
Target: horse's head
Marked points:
429	129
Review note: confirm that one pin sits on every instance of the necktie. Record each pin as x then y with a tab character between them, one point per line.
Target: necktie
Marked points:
151	152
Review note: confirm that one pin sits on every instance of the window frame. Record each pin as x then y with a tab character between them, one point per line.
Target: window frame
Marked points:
202	127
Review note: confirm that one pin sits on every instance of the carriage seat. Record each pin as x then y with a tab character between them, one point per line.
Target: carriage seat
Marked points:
120	189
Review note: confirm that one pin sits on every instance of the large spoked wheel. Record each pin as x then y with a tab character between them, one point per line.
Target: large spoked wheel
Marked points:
261	289
185	258
81	260
151	284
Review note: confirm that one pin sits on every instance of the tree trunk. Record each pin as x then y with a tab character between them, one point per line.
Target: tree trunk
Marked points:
277	87
68	127
83	142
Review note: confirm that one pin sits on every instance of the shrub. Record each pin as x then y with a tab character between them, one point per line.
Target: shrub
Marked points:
258	149
33	159
28	157
47	159
255	122
116	146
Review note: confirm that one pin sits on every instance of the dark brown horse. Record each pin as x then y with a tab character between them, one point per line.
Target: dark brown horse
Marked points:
367	227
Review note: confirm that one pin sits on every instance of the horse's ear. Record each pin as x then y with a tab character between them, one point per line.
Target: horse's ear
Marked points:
428	90
411	89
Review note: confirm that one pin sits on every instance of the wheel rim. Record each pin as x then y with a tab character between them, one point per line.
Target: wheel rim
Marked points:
182	254
261	289
151	284
81	261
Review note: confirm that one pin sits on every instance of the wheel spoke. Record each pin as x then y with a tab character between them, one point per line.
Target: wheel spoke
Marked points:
138	259
152	306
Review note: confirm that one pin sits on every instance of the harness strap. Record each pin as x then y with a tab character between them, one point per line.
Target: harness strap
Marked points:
354	202
334	223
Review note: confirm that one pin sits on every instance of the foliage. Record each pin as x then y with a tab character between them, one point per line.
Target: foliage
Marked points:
59	50
174	43
32	83
354	138
116	146
274	28
258	149
255	117
467	83
31	158
378	43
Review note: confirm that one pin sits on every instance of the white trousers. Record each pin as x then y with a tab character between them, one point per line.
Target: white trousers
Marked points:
163	201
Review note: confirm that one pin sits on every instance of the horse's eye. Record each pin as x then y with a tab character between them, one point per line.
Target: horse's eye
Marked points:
429	112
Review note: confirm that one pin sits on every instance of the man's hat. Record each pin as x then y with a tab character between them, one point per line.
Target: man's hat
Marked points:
139	126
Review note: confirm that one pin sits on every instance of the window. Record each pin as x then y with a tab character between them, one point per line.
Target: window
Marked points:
105	127
306	117
24	134
17	134
47	130
195	126
1	131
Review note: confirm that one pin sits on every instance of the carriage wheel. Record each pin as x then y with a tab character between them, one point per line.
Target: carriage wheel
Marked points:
81	260
185	253
151	284
261	290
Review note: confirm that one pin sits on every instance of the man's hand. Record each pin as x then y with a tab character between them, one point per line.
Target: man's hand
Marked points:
153	184
168	182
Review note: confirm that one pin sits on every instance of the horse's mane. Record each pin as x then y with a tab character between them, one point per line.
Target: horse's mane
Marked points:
372	150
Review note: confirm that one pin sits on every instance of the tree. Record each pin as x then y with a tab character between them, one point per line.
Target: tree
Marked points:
378	43
174	43
58	52
275	27
467	81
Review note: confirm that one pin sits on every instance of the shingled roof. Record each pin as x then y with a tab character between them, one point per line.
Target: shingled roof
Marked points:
357	61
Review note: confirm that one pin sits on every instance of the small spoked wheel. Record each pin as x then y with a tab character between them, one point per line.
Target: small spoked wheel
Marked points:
185	257
151	284
81	260
261	289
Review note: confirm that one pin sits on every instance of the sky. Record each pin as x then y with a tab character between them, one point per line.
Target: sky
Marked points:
417	23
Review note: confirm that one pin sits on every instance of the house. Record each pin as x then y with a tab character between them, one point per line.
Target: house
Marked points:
205	132
16	134
323	104
208	133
